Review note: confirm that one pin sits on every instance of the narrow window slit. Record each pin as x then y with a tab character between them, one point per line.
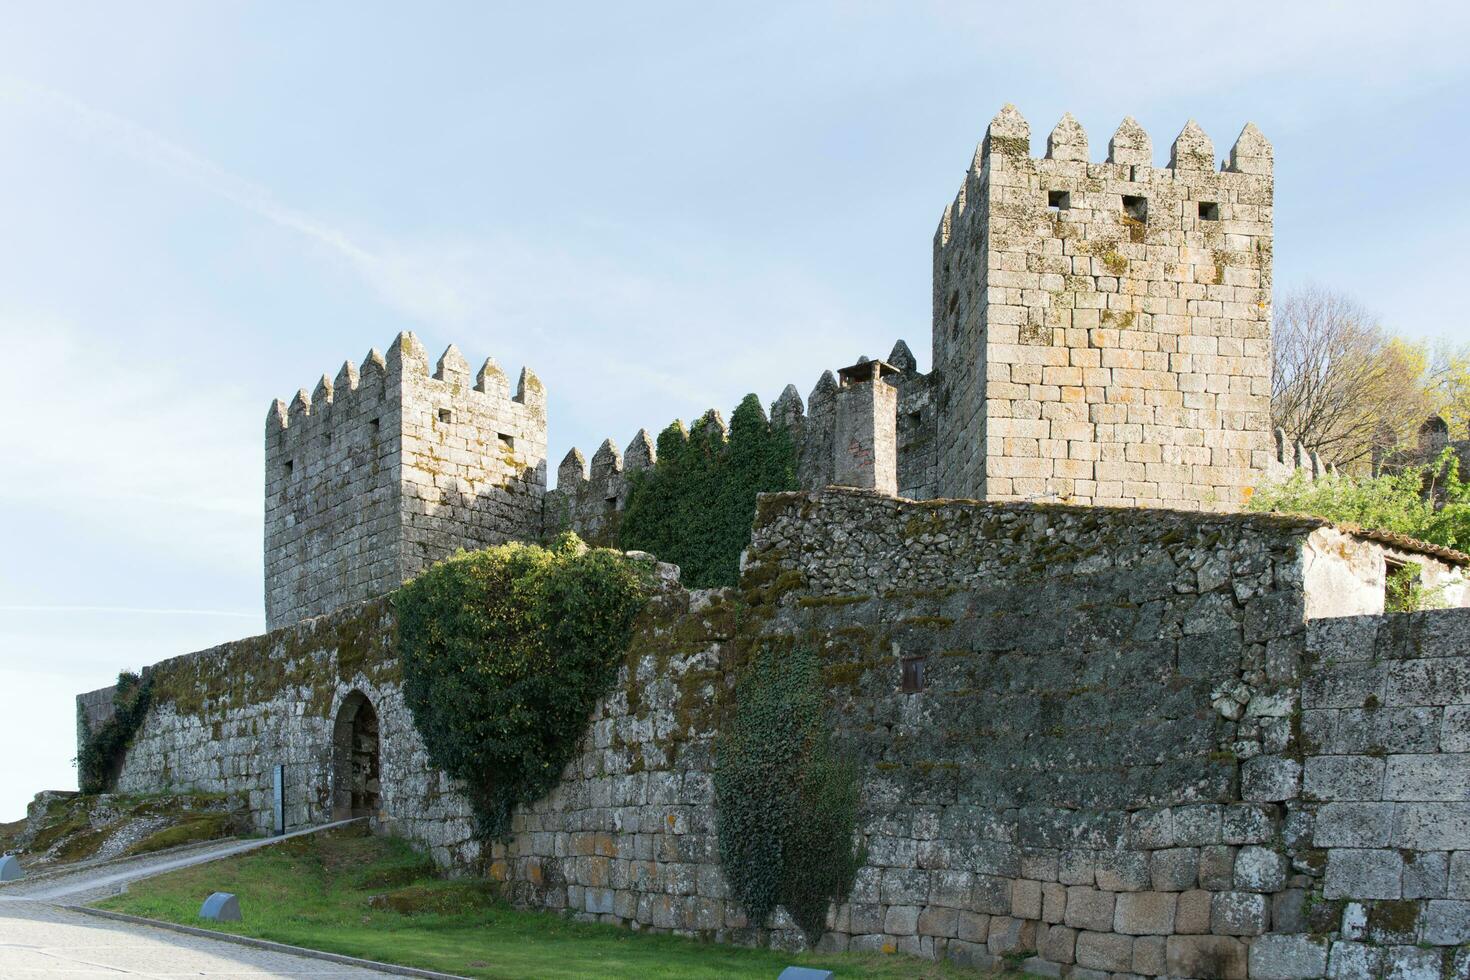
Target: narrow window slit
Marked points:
914	680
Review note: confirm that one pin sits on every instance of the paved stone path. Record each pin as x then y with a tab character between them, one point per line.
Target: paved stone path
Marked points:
90	884
40	939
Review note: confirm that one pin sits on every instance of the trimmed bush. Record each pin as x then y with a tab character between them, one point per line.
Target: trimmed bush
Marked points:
505	653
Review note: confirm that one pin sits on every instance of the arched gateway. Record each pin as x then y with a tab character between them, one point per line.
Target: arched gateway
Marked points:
355	759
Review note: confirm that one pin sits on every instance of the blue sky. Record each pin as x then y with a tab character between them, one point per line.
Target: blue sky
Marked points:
659	207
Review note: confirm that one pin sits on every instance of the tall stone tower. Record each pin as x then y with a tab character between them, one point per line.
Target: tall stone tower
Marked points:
1102	330
387	469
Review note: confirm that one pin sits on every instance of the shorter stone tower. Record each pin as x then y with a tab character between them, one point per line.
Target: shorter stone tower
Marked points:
865	443
386	469
1102	331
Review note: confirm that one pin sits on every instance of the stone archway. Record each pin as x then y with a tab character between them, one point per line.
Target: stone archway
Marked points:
355	787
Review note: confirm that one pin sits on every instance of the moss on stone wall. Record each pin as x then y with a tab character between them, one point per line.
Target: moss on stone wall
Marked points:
310	658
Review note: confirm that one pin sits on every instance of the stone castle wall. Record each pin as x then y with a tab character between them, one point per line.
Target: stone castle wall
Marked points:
386	469
1134	753
1102	330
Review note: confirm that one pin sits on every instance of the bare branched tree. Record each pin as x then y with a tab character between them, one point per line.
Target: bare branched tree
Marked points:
1341	384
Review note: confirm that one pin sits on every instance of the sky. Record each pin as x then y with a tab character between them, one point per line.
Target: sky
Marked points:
658	207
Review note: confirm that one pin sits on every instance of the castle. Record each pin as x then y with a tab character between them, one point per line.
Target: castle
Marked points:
1152	736
1101	335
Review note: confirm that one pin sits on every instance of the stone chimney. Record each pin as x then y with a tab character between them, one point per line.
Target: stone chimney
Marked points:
866	443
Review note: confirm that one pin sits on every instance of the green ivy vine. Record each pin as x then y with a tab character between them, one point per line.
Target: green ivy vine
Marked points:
695	507
786	802
504	654
102	752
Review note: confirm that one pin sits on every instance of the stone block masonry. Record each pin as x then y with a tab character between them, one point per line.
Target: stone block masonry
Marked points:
388	468
1132	751
1101	331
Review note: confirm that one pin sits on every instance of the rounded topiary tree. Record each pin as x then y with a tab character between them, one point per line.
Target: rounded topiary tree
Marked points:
504	654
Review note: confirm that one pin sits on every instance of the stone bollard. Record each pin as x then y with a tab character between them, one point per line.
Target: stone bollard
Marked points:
10	868
221	907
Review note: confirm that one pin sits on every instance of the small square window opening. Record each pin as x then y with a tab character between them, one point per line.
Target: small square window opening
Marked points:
508	441
1135	207
444	415
1059	200
1209	211
373	426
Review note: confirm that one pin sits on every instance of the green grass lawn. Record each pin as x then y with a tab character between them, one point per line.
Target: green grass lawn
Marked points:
348	892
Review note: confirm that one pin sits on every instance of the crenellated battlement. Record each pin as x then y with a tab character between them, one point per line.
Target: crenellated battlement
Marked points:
589	496
1289	457
1130	158
390	466
1102	329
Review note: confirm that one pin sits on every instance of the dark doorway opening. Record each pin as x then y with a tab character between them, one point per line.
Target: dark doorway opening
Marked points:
355	785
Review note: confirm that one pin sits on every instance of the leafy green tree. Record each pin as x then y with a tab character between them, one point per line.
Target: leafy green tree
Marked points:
1429	502
504	654
695	507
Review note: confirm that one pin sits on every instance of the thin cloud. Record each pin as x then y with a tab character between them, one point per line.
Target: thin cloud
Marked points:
131	611
411	284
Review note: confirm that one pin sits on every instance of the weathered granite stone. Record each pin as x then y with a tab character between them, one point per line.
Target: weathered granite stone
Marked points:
1174	869
1288	958
1270	779
1145	913
1356	873
1105	951
1217	867
1239	914
1343	778
1425	874
1260	869
1213	957
1149	957
1353	961
1289	911
1035	411
1088	908
1192	915
1447	923
1009	936
1354	825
